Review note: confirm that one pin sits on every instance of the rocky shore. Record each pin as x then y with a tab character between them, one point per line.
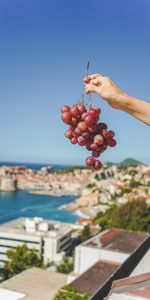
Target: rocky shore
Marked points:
83	204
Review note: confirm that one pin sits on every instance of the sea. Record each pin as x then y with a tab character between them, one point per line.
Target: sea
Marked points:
35	166
23	204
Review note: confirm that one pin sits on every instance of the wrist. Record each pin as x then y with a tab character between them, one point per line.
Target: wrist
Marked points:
125	102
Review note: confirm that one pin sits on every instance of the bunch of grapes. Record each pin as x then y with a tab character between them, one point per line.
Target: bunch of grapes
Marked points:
86	130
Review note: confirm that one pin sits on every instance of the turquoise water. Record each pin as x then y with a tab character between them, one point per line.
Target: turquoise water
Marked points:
23	204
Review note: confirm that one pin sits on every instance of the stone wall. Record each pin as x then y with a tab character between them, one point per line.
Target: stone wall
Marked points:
8	184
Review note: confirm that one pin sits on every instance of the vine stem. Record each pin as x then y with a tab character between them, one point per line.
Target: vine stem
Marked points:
90	100
87	69
82	98
87	74
83	93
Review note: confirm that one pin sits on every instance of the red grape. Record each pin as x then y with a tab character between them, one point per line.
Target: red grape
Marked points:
81	108
66	117
92	128
74	111
87	135
105	133
111	134
90	161
74	121
65	108
74	140
102	126
98	139
82	140
93	146
96	153
97	165
83	115
93	113
112	142
69	134
97	109
82	126
77	131
75	135
89	120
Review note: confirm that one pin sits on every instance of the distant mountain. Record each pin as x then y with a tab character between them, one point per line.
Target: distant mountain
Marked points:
109	163
130	161
125	162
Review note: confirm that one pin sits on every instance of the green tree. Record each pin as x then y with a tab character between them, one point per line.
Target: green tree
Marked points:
4	274
66	266
134	183
85	234
134	215
21	258
91	185
68	293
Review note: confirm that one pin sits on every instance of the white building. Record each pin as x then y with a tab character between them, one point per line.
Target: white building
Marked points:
51	239
113	245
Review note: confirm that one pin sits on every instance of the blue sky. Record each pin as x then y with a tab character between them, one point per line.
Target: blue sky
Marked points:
44	47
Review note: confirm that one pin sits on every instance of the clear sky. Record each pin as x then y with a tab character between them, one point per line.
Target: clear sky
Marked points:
44	47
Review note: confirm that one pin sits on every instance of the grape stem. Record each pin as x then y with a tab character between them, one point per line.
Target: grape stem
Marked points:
83	93
82	97
87	74
87	68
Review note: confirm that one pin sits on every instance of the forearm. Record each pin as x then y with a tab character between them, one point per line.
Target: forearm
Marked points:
138	108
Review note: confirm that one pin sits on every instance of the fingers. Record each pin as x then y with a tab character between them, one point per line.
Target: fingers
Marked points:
88	78
97	81
89	88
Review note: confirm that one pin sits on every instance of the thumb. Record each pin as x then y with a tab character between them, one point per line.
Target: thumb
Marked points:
91	88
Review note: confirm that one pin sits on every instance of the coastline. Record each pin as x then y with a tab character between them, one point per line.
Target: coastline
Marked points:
80	214
52	193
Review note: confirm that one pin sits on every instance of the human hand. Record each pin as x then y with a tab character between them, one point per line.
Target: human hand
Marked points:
105	88
117	98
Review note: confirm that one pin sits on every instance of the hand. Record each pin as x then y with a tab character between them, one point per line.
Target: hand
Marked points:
105	88
115	97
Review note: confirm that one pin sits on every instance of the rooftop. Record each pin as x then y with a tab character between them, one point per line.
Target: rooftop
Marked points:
137	287
35	226
34	283
95	277
117	240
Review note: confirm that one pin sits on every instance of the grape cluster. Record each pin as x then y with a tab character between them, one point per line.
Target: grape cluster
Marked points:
86	130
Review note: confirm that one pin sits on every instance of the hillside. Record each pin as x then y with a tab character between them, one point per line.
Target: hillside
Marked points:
130	161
